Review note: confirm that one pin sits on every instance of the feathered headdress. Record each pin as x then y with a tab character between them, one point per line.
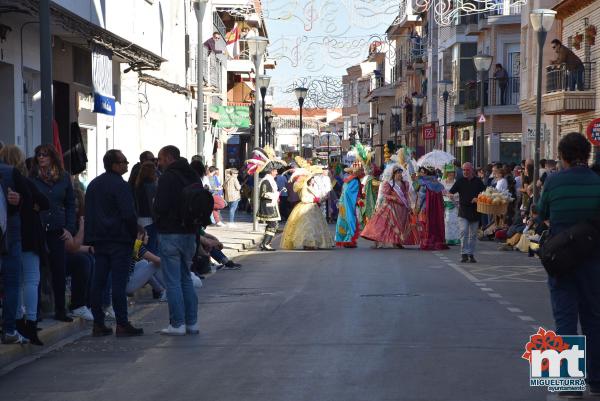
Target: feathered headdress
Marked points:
361	158
263	159
303	173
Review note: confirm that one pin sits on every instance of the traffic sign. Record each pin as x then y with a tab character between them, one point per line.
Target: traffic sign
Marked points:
481	119
593	132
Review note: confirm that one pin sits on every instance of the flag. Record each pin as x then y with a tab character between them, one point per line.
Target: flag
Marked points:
232	38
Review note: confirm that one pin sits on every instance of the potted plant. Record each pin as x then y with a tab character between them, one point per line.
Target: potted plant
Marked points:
590	35
577	40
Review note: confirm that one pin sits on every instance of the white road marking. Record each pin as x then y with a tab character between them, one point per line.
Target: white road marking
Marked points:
502	302
494	295
527	318
465	273
485	289
515	310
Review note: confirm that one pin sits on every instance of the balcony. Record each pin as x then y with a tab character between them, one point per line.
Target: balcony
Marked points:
416	58
567	93
472	25
501	96
219	25
212	70
505	14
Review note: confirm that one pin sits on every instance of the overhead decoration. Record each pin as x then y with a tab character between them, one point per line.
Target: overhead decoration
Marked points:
323	92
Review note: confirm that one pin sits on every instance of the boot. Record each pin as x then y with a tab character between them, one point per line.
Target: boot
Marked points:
31	332
128	330
266	244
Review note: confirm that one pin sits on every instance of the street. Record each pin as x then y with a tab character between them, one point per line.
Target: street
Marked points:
353	324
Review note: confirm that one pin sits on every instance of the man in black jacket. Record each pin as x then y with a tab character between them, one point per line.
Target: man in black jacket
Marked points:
177	242
111	228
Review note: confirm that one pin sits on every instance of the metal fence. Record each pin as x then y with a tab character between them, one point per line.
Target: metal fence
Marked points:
497	92
559	78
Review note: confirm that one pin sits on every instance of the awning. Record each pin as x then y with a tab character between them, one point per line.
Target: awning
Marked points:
64	20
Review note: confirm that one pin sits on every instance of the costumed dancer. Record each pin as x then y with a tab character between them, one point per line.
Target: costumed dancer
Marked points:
409	166
430	209
264	161
450	206
306	227
370	184
348	225
388	223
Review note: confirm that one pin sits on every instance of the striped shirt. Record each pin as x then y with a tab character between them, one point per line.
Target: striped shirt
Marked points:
569	197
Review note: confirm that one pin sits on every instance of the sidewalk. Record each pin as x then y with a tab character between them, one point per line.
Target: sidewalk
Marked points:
239	238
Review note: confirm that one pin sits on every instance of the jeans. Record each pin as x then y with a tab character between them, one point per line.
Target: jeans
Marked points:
576	78
218	255
57	257
176	252
576	297
114	259
11	274
233	205
30	280
79	267
468	236
142	273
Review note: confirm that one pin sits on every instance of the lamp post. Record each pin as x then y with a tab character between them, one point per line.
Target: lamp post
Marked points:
300	95
256	47
417	101
328	133
381	118
396	118
361	134
45	71
262	82
445	97
482	62
372	126
541	22
200	7
267	134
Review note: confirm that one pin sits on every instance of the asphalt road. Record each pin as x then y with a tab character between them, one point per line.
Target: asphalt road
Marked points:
340	325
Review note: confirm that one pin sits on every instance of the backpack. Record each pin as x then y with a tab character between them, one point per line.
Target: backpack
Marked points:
196	205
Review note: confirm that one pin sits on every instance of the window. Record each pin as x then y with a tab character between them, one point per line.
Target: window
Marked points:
82	66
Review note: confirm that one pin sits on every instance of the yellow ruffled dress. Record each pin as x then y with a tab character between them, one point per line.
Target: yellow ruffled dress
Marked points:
306	226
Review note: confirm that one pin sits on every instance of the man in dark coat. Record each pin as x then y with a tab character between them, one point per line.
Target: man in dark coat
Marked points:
572	63
111	228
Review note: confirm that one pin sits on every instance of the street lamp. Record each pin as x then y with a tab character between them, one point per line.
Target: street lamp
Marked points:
417	101
381	118
267	129
300	95
200	7
372	126
262	82
445	97
256	47
541	21
361	134
396	111
482	62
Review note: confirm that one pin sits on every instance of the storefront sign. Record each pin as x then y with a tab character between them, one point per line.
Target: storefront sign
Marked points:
232	116
544	133
85	101
593	132
102	79
429	132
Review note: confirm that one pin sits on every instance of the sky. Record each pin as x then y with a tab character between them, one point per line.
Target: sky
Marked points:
314	41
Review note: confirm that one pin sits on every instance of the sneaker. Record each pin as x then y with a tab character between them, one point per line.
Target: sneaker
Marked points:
173	331
196	281
101	330
192	329
570	394
220	224
13	338
464	258
128	330
163	297
232	225
109	313
83	312
231	265
472	259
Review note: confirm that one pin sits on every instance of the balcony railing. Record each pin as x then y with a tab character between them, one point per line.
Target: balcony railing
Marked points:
212	69
558	78
219	25
497	92
569	92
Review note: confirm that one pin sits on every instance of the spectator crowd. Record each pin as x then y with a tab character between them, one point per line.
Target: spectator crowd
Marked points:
98	245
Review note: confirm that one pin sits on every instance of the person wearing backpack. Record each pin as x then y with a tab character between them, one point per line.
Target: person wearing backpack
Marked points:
181	206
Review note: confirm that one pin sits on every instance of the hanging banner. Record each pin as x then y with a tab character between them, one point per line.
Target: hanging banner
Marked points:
232	116
102	80
593	132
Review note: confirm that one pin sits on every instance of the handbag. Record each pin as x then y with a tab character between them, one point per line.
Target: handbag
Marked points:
564	252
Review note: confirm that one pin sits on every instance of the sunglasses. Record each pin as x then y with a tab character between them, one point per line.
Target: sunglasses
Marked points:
42	154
